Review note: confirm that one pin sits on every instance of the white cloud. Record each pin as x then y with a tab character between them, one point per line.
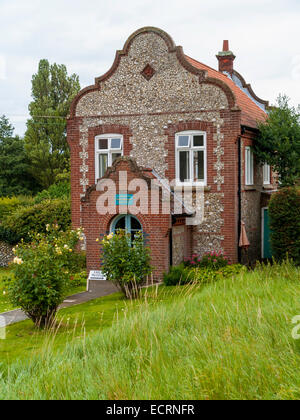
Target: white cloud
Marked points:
84	35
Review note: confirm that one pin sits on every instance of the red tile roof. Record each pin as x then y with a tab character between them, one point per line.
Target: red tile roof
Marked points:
251	113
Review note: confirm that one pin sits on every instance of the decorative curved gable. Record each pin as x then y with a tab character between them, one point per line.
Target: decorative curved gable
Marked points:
247	88
151	75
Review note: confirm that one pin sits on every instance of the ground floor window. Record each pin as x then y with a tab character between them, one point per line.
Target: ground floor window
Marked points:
249	166
127	222
267	174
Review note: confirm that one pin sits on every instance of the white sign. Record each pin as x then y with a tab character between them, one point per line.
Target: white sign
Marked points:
97	275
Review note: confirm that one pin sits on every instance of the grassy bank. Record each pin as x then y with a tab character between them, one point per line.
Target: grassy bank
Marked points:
228	340
5	305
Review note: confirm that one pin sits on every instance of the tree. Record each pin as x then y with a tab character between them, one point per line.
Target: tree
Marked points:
6	129
45	139
15	178
278	143
284	211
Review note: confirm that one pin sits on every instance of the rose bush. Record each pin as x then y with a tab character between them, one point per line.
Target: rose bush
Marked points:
42	273
126	263
213	260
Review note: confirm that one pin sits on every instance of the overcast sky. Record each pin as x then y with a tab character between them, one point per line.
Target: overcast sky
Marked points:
84	35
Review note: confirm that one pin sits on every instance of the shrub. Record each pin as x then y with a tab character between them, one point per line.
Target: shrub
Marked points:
78	279
177	275
213	260
35	218
202	275
42	274
284	211
8	236
126	263
206	275
77	262
60	190
9	204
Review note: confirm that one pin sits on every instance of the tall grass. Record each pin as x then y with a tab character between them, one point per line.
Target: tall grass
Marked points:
228	340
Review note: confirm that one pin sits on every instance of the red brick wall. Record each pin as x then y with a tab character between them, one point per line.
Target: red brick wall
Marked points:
155	227
73	135
231	131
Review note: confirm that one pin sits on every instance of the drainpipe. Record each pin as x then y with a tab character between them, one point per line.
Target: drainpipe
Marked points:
239	194
171	246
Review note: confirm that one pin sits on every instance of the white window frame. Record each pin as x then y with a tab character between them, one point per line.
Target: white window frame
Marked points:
249	166
191	149
108	151
267	174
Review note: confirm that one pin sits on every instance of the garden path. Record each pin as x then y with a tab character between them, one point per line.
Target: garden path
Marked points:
96	289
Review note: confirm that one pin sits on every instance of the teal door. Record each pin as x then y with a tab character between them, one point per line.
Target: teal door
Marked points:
267	251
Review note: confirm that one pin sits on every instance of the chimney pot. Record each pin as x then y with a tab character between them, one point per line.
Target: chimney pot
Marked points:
225	45
226	59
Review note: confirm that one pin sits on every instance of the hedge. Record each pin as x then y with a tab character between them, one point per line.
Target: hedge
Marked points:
9	204
60	190
8	236
35	218
284	211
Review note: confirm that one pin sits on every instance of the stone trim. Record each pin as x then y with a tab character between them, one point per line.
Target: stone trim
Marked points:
250	89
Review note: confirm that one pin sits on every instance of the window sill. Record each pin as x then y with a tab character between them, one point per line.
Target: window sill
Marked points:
250	188
189	187
268	187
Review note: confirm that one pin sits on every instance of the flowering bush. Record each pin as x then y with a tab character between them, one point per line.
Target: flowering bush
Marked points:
213	260
126	263
42	273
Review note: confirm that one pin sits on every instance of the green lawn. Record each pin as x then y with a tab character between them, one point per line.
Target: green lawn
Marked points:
23	340
5	305
227	340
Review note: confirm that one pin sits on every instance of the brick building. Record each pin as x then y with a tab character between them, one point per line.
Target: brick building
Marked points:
159	114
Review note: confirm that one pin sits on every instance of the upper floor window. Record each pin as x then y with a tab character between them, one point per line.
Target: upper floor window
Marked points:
249	166
267	174
191	157
108	148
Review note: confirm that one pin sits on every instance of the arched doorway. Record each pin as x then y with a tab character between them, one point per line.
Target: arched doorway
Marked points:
127	222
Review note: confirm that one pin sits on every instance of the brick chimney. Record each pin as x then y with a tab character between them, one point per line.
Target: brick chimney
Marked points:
226	59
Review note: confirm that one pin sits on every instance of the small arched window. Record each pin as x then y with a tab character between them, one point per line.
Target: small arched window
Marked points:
108	148
127	222
191	166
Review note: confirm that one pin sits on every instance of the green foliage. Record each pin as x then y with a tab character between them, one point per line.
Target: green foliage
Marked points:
278	143
208	275
10	204
9	236
177	275
212	260
60	190
77	262
229	340
284	211
78	279
6	129
42	274
33	219
126	264
15	176
45	139
182	274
